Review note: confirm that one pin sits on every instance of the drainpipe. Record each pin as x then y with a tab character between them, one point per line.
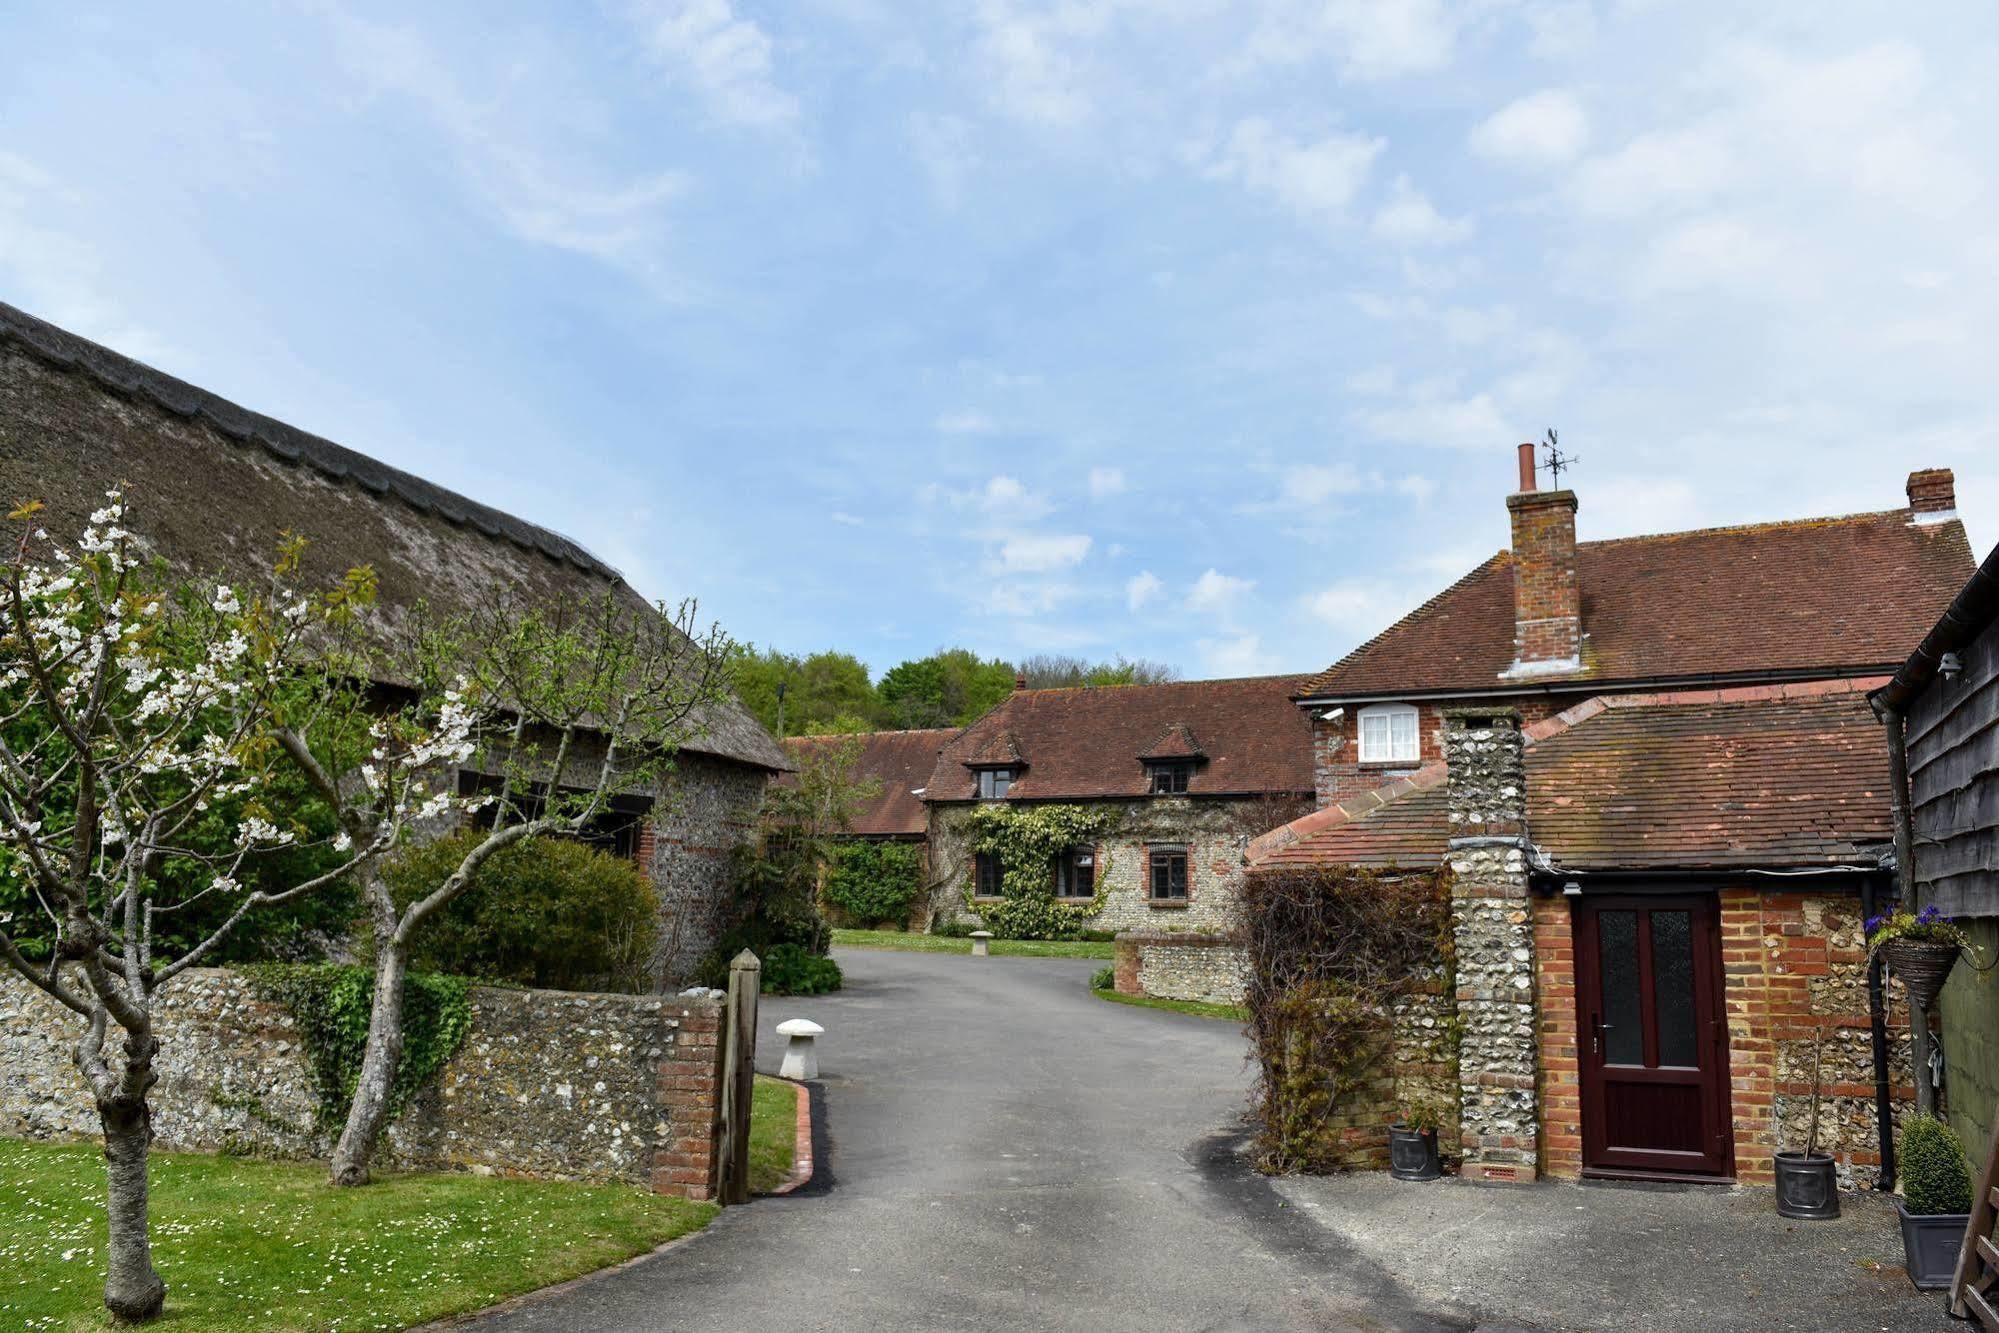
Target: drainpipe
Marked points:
1877	1022
1905	887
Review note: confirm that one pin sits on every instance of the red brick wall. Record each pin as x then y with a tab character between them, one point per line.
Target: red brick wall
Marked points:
1338	773
1547	602
690	1096
1789	962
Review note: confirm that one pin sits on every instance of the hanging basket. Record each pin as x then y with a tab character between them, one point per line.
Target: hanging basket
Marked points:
1922	967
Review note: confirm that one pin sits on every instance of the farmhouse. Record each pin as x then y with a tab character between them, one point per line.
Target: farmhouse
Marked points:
213	486
1650	767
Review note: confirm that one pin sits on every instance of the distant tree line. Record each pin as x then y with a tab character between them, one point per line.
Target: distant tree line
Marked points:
830	692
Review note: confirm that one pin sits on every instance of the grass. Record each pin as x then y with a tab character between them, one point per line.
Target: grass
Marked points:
773	1133
910	942
1232	1012
247	1244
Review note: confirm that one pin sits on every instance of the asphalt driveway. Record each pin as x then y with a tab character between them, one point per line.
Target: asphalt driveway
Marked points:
1001	1150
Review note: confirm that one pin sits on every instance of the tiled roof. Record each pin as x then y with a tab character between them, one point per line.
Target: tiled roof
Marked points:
1852	594
993	749
1176	742
1777	776
1081	743
900	760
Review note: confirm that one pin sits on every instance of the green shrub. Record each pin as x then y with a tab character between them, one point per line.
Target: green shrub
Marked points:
1935	1178
875	882
954	929
790	970
1105	978
1097	936
548	912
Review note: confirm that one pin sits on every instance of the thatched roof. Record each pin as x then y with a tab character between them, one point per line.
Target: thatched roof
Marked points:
214	485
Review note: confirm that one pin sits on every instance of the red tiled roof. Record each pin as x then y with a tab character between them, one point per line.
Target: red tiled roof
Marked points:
1839	594
901	761
1770	776
1176	742
1080	743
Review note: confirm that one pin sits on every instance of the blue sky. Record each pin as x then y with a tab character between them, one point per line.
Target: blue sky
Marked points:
1195	330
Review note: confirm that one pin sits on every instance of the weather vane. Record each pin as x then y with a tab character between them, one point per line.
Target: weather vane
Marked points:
1557	460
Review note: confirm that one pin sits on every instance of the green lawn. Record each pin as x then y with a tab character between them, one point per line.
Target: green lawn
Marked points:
915	943
1233	1013
246	1244
773	1133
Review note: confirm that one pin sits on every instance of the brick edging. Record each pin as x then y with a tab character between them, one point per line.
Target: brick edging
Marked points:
801	1150
1201	939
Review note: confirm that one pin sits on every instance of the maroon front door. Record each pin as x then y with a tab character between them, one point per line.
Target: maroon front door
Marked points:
1653	1046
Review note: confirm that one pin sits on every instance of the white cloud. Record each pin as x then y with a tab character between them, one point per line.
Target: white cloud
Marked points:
1408	218
1106	481
54	274
725	59
1664	169
1039	67
1042	553
1360	606
967	422
846	519
1218	593
1141	588
1545	129
1381	39
1002	498
1316	180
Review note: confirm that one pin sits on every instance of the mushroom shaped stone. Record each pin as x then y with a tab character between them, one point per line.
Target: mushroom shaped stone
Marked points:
981	943
801	1058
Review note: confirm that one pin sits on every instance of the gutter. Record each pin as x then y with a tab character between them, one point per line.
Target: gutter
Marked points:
1969	615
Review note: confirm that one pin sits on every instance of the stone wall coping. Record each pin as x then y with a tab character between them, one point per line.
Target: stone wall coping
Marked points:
1188	938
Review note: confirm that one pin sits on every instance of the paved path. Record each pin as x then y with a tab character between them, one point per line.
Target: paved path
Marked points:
1001	1150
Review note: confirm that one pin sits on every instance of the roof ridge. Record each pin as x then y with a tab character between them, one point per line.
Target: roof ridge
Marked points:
1161	684
129	377
1754	526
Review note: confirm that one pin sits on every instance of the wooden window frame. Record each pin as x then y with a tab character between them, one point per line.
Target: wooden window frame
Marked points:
994	783
1066	862
982	863
1153	858
1170	772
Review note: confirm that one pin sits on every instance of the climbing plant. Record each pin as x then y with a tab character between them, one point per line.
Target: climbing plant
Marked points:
1028	839
1332	955
330	1004
874	882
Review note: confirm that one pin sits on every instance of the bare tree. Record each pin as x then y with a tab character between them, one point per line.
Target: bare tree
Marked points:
563	708
131	717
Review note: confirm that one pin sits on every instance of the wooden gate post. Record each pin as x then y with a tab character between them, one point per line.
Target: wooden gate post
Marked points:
739	1071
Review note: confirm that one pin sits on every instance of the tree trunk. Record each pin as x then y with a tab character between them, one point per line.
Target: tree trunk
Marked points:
132	1290
370	1110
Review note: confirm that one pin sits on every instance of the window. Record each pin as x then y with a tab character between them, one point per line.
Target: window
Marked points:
1170	779
986	875
1389	734
619	828
1167	878
994	783
1076	873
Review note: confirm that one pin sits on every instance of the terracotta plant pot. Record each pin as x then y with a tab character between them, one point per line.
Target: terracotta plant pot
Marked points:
1412	1153
1929	1245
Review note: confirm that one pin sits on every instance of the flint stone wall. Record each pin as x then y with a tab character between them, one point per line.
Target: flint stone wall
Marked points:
1169	965
1498	1114
548	1084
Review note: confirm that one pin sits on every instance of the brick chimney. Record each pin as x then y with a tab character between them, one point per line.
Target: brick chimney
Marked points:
1547	603
1933	495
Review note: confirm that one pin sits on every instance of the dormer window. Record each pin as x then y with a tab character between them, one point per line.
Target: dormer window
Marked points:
1390	734
1170	778
994	783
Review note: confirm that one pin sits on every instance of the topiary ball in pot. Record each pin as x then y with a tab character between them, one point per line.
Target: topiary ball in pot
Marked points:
1936	1188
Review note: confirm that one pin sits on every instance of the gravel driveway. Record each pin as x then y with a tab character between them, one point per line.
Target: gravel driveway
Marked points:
1001	1150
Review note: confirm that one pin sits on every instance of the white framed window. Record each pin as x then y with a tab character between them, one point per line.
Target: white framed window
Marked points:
1390	734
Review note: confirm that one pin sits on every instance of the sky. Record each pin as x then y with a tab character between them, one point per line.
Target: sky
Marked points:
1198	331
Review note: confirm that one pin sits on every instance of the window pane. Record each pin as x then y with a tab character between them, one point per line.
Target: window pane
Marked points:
1402	729
1617	939
1673	988
1373	736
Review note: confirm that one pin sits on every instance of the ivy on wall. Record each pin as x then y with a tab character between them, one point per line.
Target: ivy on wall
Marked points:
330	1005
1028	839
875	882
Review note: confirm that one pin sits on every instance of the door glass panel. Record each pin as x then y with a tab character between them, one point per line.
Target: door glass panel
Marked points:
1673	987
1617	940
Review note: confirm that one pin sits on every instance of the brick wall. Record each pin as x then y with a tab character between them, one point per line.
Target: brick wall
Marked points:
1338	774
1789	961
1547	601
686	1160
